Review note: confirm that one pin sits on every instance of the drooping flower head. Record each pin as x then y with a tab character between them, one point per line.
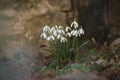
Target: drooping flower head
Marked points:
67	29
81	31
74	33
46	32
46	29
74	24
63	39
44	35
50	38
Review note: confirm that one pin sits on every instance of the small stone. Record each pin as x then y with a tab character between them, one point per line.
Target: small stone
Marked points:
115	45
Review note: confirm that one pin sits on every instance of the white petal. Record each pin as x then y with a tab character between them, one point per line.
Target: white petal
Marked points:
52	29
59	36
74	32
52	37
76	35
48	38
56	26
68	34
74	24
67	29
63	39
61	32
79	34
46	29
44	35
55	33
81	31
60	27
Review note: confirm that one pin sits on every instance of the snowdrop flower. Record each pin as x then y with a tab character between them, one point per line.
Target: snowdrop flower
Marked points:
74	24
53	38
67	29
63	39
68	34
55	33
50	38
44	35
56	27
74	33
61	32
60	27
81	31
52	29
46	29
59	36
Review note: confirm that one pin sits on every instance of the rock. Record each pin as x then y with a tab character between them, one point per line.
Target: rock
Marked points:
80	76
112	74
70	76
115	45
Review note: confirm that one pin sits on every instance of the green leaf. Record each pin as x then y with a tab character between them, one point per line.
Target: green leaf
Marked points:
93	51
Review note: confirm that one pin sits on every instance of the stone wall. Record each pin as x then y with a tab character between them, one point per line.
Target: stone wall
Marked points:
36	15
21	22
30	16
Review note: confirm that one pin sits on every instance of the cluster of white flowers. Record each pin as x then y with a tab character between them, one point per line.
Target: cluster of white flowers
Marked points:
74	30
54	33
58	32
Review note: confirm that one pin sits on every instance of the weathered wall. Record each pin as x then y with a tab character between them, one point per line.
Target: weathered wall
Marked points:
36	15
21	22
27	18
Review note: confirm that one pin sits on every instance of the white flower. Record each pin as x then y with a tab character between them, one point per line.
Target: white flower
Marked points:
67	29
63	39
55	33
61	31
74	24
68	34
50	38
74	32
53	38
44	35
81	31
52	29
46	29
60	27
59	36
56	27
79	34
76	35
